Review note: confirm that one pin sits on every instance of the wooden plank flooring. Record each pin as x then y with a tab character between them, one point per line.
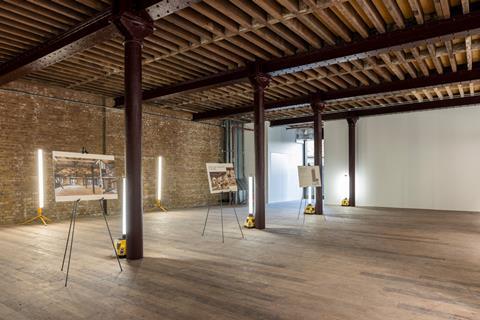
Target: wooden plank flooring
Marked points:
361	264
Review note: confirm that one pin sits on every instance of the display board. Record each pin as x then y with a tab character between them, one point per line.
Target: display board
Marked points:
221	177
309	176
84	176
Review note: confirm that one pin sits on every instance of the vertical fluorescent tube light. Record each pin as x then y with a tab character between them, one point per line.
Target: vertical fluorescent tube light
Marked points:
250	195
159	179
124	207
41	199
346	187
309	195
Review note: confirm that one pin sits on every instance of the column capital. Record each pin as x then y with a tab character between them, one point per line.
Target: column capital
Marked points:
317	103
134	25
352	120
259	80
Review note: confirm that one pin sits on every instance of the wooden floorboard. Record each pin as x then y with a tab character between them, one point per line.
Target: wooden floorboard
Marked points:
361	263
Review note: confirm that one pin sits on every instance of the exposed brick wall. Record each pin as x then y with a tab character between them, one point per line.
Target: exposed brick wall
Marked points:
56	119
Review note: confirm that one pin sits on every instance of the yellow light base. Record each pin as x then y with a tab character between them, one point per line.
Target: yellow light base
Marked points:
159	205
309	209
345	202
43	219
250	222
121	247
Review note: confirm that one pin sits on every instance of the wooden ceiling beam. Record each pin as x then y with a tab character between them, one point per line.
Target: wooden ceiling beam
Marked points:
83	36
417	10
357	70
373	14
273	30
368	48
436	61
441	30
465	6
353	17
87	34
225	78
421	64
468	51
395	12
376	111
451	55
399	85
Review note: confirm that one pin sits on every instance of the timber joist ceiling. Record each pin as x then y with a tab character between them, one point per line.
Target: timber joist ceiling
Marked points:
220	36
25	24
392	99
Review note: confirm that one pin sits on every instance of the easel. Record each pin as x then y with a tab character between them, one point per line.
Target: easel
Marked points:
300	208
39	216
221	217
71	230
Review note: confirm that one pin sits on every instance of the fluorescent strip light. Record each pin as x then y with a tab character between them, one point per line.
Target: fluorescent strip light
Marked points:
124	207
346	186
250	195
41	197
159	178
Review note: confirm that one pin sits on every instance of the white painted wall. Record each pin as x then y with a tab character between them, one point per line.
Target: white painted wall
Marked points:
336	161
249	152
428	160
284	156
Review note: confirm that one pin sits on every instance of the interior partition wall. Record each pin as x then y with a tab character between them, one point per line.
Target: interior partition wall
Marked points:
426	160
284	156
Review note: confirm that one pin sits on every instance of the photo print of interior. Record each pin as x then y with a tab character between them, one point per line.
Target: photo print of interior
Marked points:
80	176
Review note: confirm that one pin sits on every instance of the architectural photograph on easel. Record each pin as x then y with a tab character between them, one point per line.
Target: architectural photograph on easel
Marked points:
309	176
84	176
221	177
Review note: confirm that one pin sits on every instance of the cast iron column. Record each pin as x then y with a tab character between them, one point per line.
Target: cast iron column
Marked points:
135	27
351	159
259	82
318	106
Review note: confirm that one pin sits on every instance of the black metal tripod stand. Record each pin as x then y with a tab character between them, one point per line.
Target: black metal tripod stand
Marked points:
71	231
221	218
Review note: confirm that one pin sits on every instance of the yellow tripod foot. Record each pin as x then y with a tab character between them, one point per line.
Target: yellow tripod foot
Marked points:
40	217
158	204
250	222
309	209
121	247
